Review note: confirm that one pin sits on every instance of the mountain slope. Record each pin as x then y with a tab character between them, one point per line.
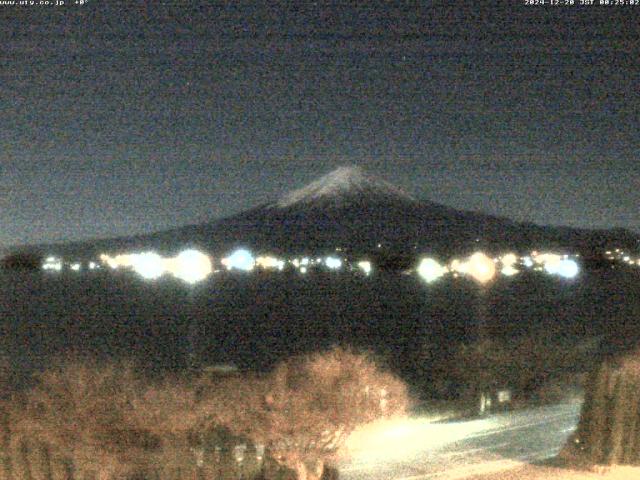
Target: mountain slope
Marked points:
343	185
362	214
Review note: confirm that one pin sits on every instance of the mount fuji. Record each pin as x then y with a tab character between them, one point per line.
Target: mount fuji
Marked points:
365	215
342	186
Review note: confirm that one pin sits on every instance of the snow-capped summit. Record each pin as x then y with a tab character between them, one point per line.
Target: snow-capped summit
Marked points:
344	182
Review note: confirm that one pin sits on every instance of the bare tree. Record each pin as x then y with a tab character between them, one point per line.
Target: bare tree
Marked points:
79	411
304	410
108	422
170	411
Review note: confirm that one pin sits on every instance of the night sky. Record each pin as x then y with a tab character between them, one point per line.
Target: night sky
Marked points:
116	120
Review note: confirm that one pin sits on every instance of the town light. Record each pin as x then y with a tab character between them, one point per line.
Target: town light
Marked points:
191	266
365	266
240	259
568	269
148	265
109	260
508	264
509	271
268	263
333	263
52	263
480	267
430	270
549	261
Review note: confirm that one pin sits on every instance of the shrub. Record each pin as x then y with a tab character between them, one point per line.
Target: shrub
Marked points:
108	422
80	411
306	407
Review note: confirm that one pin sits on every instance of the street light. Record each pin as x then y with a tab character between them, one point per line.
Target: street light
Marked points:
333	263
365	266
508	264
149	265
483	270
192	267
568	268
430	270
240	259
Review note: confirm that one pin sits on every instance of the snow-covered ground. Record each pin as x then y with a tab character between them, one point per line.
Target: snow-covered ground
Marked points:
417	449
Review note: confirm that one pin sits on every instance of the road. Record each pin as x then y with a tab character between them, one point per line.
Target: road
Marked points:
417	449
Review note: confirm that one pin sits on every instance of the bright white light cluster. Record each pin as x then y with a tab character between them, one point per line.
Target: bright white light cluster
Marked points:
555	264
478	266
430	270
509	262
566	268
190	265
305	263
148	265
333	263
240	259
193	266
483	269
52	263
365	266
57	264
267	262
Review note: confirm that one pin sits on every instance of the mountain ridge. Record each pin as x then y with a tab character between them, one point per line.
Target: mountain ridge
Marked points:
359	212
